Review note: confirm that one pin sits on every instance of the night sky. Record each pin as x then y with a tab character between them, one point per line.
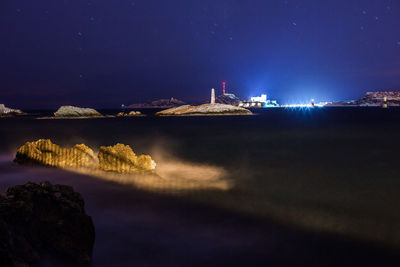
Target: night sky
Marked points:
103	53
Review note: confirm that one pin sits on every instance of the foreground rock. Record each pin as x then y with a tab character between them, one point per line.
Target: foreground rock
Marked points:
121	158
205	110
4	111
44	152
44	221
371	99
161	103
76	112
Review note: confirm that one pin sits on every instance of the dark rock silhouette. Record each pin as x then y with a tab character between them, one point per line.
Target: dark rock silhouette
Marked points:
44	221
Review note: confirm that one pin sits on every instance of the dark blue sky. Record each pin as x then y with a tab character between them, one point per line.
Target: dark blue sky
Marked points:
103	53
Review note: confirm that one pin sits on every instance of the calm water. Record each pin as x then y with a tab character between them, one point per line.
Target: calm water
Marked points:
298	175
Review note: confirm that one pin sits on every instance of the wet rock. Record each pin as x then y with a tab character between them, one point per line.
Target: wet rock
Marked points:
205	110
71	111
44	152
44	221
121	158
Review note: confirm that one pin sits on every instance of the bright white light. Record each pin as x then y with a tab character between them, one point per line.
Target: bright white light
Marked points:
262	98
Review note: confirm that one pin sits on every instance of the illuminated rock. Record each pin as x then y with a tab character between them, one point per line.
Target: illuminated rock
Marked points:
205	110
130	114
121	158
4	111
71	111
44	152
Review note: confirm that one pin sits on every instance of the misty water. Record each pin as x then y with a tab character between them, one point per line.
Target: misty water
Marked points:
295	182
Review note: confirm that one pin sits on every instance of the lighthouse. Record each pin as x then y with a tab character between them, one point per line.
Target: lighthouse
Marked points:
212	96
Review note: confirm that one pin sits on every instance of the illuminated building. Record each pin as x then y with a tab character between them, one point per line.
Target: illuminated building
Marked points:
259	102
212	96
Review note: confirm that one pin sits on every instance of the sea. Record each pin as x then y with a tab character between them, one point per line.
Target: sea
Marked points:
281	187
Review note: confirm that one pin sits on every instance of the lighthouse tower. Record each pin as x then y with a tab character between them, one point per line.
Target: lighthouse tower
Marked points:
212	96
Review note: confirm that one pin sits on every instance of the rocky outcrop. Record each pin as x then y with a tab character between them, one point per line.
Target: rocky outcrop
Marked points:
229	99
205	110
130	114
44	152
372	99
4	111
43	220
161	103
71	111
121	158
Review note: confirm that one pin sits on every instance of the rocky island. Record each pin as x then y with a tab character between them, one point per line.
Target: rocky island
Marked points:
205	110
4	111
131	114
371	99
43	220
76	112
161	103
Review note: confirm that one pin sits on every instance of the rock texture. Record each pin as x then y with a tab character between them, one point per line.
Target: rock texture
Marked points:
161	103
121	158
44	152
4	111
372	99
71	111
205	109
44	221
130	114
229	99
